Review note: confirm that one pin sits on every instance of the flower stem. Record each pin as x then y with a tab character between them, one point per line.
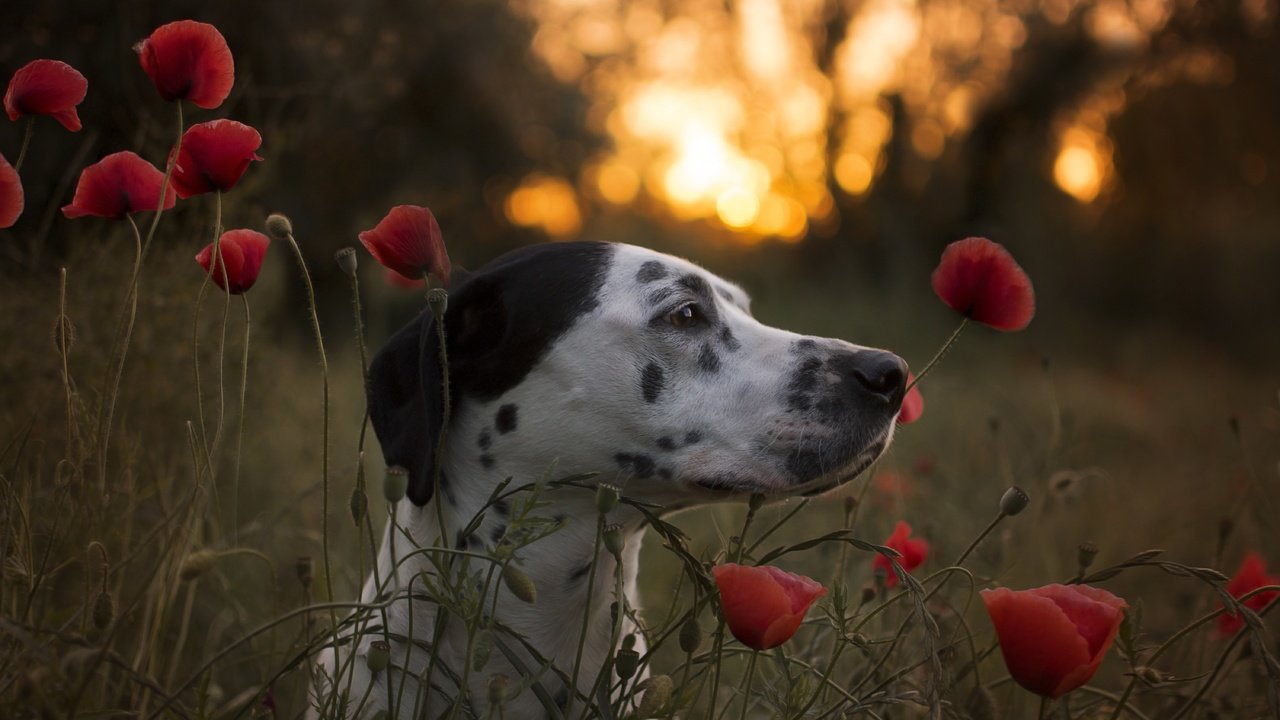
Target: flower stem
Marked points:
131	310
244	384
941	352
26	143
586	619
1044	708
981	536
746	685
324	441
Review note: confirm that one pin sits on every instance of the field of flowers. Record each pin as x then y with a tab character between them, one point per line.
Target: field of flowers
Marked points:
189	503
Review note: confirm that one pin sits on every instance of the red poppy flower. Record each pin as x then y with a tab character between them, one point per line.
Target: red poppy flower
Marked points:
980	280
213	156
116	185
395	279
11	196
912	404
1251	575
46	87
408	240
913	551
1054	637
189	60
764	605
242	253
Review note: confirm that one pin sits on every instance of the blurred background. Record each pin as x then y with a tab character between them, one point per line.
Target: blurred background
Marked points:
821	152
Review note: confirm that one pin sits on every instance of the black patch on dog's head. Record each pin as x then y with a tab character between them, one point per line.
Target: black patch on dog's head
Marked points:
708	360
728	340
485	440
651	271
693	437
505	420
651	382
719	482
501	321
666	443
487	461
638	466
577	574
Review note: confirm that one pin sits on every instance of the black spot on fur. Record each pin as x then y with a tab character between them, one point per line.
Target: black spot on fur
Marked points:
640	466
666	443
664	473
803	382
696	285
804	345
502	507
728	340
486	461
498	531
651	271
805	464
505	420
485	440
651	382
559	518
693	437
708	360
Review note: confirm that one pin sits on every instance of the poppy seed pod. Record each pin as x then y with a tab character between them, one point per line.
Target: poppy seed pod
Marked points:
438	301
626	663
657	693
197	564
378	656
279	226
1013	501
346	259
497	688
395	483
104	610
358	504
519	584
1085	554
614	542
606	498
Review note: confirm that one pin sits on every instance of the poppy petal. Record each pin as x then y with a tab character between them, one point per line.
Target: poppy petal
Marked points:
189	60
116	185
213	157
408	240
980	280
912	404
242	254
46	87
11	194
764	606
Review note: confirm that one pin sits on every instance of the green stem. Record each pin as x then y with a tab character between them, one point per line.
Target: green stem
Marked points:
746	685
586	619
324	441
981	536
244	384
131	300
26	143
445	411
941	352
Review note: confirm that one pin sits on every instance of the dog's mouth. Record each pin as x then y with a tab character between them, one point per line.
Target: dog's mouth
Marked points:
806	469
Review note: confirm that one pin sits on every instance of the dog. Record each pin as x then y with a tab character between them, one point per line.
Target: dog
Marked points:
589	357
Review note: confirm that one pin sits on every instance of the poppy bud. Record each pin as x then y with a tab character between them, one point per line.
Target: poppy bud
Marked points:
868	593
1085	554
438	301
1150	675
690	634
346	259
378	656
755	503
358	504
305	568
626	663
278	226
614	541
395	484
657	693
497	689
197	563
850	504
1013	501
104	610
483	649
606	498
629	641
519	584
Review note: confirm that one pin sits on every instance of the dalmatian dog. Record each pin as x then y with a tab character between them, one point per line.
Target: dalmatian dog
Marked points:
592	357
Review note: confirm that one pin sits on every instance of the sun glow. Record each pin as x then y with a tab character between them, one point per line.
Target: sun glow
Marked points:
746	116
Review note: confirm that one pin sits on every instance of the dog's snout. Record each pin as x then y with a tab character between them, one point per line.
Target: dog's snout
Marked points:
881	373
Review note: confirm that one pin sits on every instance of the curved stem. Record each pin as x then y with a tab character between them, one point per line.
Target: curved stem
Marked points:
244	384
586	619
939	355
746	684
26	143
131	300
324	447
982	535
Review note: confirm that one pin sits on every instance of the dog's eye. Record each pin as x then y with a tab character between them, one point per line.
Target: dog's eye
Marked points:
686	317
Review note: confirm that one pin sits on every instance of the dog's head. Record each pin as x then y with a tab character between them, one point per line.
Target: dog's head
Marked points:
639	365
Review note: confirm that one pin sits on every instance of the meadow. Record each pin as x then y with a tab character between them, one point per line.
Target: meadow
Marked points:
174	546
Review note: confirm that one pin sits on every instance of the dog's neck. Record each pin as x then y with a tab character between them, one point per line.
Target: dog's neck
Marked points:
570	569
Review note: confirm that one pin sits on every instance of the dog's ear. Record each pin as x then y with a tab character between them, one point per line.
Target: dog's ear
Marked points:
406	402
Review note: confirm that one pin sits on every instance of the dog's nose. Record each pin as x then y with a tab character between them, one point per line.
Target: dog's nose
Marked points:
882	374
